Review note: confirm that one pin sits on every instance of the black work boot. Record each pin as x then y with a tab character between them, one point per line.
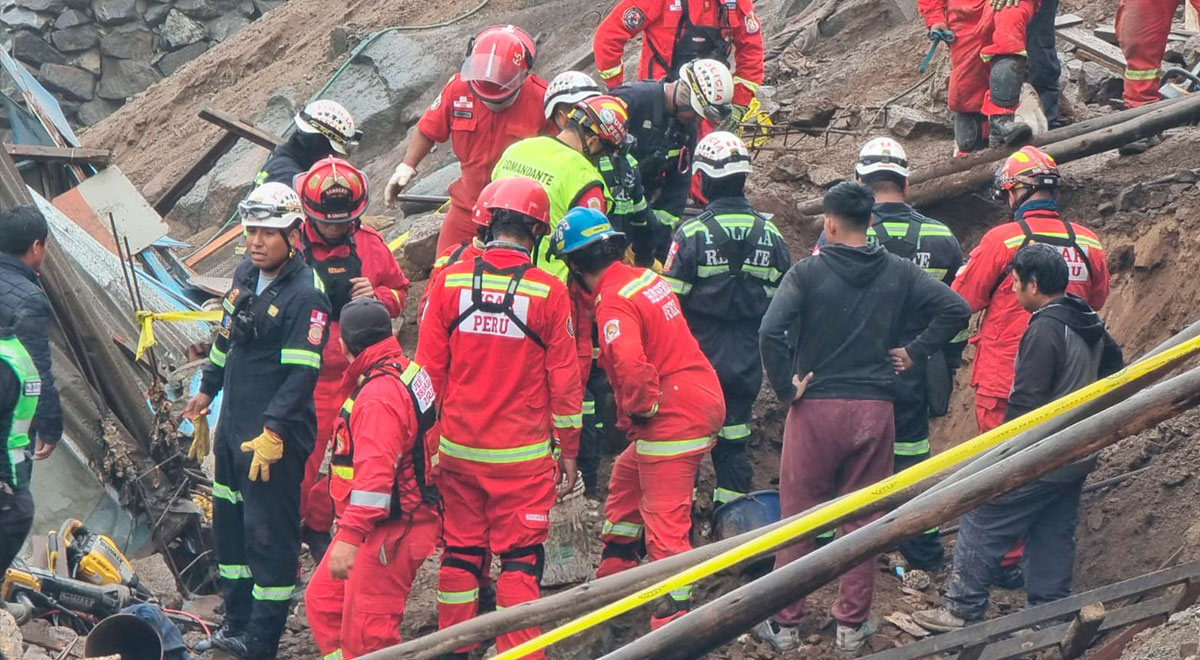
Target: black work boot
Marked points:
1008	131
243	646
227	630
968	132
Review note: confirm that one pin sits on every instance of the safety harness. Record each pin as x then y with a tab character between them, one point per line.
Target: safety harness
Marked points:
693	42
505	306
420	389
1059	241
735	251
335	272
246	313
905	246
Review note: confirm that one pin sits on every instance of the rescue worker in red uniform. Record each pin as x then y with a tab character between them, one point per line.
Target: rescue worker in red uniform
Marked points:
499	343
1142	29
1028	182
988	65
494	101
668	400
675	32
387	513
353	262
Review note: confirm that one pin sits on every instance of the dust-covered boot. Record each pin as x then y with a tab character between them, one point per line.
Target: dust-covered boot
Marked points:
851	640
1008	131
968	133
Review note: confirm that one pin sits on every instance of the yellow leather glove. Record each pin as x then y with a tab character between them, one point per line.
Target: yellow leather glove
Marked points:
267	449
201	443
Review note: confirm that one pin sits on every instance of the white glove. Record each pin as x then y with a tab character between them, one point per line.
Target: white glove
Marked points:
400	178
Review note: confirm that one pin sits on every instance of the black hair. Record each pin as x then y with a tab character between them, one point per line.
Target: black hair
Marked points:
596	257
882	178
512	223
1038	262
850	203
20	227
733	185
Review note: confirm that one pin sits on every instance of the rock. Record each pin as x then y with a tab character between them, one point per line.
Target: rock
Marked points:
1187	176
1099	84
1157	199
154	574
823	176
788	169
1133	197
19	17
1107	208
220	29
32	49
122	79
1151	248
205	9
80	37
88	60
136	44
1095	520
49	6
419	251
246	8
179	31
71	18
1175	477
10	637
94	111
170	62
264	6
114	12
339	40
156	14
73	83
910	122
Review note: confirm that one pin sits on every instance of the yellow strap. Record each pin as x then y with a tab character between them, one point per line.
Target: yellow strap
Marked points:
145	321
856	500
398	242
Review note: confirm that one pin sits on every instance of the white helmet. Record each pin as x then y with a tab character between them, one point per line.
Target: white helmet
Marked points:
272	205
333	121
570	87
721	154
882	155
711	87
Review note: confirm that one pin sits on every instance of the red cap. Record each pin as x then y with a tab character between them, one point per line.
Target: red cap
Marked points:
520	194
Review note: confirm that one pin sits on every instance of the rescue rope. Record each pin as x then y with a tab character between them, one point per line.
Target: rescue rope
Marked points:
856	500
145	321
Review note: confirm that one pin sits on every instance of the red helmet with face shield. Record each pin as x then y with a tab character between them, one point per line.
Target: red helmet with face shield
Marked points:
498	61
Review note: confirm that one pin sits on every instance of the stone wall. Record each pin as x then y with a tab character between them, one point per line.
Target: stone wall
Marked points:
94	54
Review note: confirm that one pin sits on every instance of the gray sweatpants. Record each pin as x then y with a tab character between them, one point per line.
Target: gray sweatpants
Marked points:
1045	513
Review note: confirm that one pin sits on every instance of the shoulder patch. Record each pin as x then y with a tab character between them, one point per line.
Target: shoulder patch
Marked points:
318	318
671	257
612	330
33	388
422	389
753	25
315	332
633	19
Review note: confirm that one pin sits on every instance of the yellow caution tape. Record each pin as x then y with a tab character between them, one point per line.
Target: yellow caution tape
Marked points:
856	500
145	321
398	242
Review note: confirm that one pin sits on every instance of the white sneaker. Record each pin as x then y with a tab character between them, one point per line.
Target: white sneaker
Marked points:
852	640
782	638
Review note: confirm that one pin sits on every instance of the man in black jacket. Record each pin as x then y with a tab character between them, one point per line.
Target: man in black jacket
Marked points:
843	310
1064	348
24	313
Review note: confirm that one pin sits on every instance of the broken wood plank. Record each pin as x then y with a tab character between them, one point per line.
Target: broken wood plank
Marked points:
242	128
1067	20
904	622
101	157
203	166
1082	630
1088	46
1108	33
213	246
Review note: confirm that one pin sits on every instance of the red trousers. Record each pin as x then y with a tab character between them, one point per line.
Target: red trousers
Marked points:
1142	29
316	507
510	516
980	34
362	614
989	413
457	227
832	447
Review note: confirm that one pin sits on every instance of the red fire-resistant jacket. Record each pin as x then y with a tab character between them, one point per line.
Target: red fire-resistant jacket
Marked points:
658	21
668	396
502	395
986	285
383	426
378	265
479	135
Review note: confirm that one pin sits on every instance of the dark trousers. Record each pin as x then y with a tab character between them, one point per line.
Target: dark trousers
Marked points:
1045	513
595	398
924	552
16	519
730	457
257	526
1044	67
832	447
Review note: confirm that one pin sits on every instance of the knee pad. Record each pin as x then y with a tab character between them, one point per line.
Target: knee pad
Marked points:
517	560
1008	73
465	558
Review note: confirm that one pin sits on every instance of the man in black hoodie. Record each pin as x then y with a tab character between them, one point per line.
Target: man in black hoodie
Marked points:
843	310
1064	348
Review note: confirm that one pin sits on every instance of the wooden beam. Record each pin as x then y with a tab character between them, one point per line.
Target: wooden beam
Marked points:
1089	46
242	128
101	157
1082	631
1067	20
203	166
1108	33
213	246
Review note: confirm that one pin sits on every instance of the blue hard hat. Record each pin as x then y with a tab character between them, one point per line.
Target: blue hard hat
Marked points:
581	227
